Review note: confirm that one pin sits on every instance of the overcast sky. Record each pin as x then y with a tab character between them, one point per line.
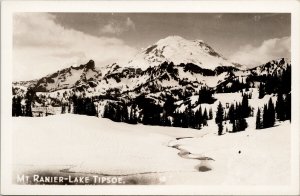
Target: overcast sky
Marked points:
46	42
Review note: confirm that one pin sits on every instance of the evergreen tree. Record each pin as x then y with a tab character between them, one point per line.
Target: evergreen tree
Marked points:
286	80
288	107
132	116
220	128
219	118
231	114
265	117
177	119
269	115
14	108
219	113
210	114
79	108
205	95
234	128
245	108
106	112
241	124
280	107
90	108
271	112
261	91
19	107
28	111
191	116
258	120
205	116
198	118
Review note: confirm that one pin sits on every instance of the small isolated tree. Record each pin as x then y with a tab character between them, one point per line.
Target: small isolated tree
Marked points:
219	118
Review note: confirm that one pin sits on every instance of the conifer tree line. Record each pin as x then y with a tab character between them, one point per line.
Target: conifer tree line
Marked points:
83	105
23	110
281	111
145	111
192	119
279	83
235	85
236	115
206	95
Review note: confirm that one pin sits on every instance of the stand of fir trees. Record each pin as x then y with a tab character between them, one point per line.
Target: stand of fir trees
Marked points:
282	111
17	106
116	112
206	95
277	83
237	114
234	85
190	119
283	107
25	110
83	105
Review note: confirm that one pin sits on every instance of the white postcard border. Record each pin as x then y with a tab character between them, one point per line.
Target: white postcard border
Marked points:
230	6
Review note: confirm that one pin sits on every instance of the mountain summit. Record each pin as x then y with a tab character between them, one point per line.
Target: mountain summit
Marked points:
178	50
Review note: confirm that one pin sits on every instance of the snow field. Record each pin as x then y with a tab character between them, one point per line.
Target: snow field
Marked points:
96	145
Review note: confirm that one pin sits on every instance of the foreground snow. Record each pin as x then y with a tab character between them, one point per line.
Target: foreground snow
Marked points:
95	145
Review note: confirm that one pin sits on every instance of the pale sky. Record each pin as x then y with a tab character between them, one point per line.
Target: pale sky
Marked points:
46	42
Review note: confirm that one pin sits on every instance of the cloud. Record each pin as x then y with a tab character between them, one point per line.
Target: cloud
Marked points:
269	50
41	46
118	27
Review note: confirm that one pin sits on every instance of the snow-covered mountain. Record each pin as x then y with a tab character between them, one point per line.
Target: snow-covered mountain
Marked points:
179	50
82	76
272	67
172	65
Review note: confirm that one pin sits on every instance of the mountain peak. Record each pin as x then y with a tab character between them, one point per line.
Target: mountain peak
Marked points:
179	50
170	39
90	64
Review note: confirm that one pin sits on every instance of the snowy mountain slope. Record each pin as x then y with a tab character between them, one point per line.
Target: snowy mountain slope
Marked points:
195	62
272	67
173	65
179	50
24	84
83	75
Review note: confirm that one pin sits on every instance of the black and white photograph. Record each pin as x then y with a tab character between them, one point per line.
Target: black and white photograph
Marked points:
151	98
